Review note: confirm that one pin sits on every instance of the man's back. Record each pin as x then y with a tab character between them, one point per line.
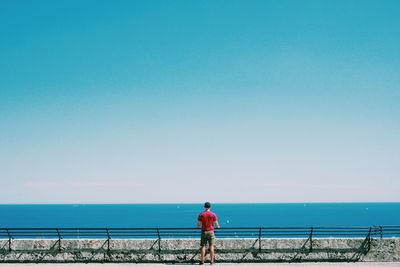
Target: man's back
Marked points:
207	219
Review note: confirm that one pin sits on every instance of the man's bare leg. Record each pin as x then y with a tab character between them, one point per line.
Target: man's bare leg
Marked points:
212	254
203	254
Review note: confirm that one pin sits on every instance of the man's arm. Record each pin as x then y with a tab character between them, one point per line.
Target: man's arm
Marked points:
198	224
217	224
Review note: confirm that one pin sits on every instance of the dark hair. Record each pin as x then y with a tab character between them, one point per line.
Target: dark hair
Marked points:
207	205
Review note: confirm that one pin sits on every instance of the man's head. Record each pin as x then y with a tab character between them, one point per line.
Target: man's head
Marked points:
207	205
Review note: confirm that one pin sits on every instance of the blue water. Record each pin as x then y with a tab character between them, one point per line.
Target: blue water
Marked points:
185	215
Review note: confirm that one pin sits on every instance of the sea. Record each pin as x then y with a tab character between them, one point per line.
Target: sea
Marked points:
185	215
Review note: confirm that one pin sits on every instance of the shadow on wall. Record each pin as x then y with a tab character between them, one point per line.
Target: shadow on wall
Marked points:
187	250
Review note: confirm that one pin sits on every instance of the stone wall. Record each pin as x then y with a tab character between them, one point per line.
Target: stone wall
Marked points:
187	250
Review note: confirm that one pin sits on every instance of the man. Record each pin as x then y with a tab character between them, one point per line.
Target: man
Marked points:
206	220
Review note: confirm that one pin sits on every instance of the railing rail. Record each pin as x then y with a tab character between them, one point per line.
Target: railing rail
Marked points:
231	232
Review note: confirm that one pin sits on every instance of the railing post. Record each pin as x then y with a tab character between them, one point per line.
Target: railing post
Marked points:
108	240
59	240
368	239
9	239
381	231
259	240
159	239
311	233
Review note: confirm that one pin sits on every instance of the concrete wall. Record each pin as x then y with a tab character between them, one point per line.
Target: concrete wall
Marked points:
187	250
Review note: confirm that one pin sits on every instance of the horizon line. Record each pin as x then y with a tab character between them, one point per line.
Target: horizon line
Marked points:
190	203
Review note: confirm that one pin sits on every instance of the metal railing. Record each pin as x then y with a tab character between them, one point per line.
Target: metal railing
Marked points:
236	232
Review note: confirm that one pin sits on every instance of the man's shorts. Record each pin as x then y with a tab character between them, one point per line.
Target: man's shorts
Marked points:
207	237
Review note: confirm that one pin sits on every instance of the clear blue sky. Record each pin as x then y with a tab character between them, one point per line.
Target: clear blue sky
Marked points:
187	101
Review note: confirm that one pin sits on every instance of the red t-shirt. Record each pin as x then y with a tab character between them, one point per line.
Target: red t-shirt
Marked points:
207	220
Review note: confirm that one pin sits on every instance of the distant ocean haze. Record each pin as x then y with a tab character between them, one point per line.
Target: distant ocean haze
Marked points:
185	215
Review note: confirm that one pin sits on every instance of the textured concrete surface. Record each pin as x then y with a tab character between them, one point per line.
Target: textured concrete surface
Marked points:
357	264
273	250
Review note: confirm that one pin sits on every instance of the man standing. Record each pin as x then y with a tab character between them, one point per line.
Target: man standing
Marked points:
206	220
